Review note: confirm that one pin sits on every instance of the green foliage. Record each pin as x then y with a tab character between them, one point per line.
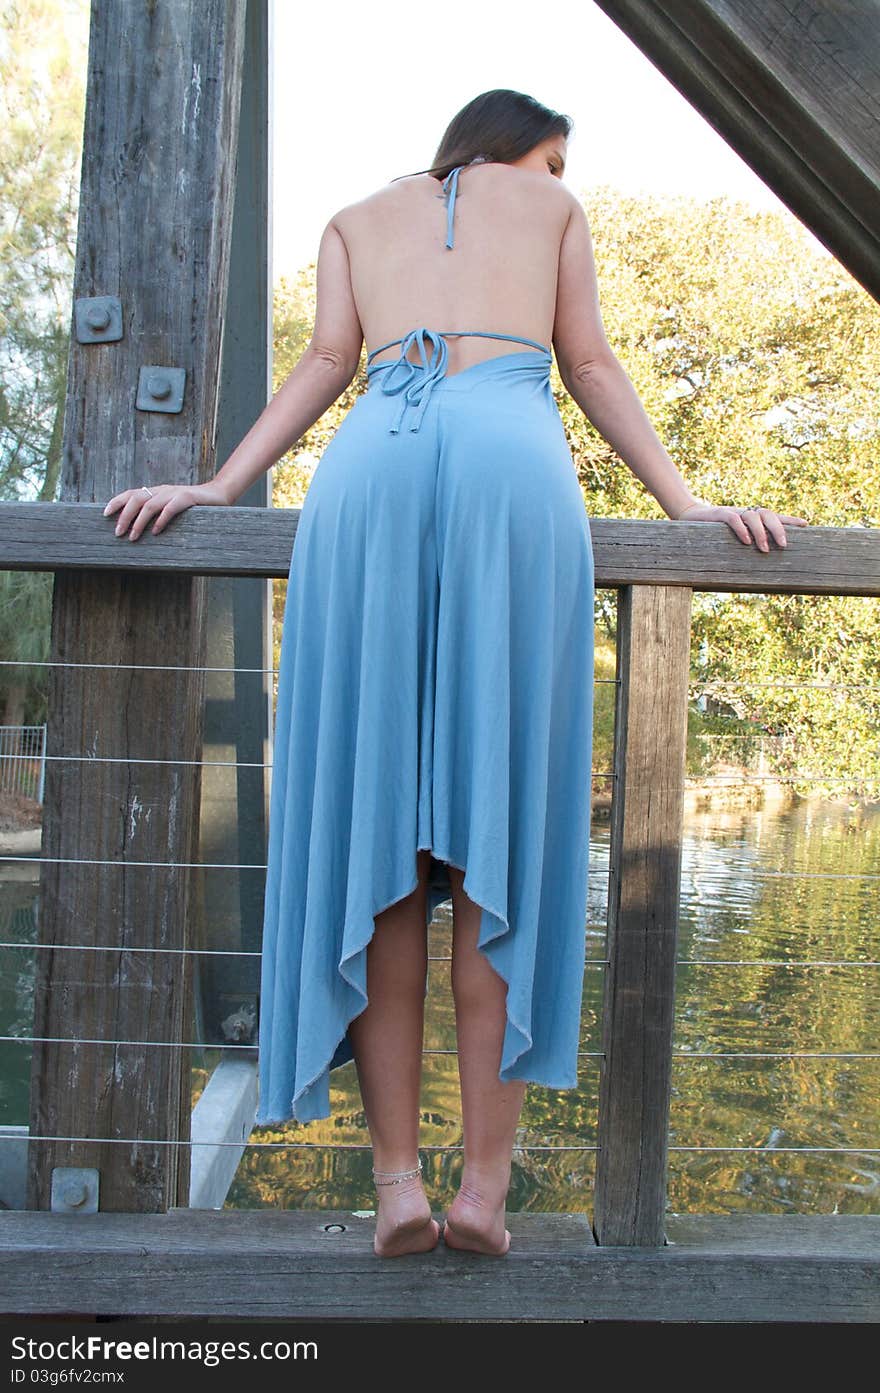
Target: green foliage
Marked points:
604	693
757	358
806	667
755	354
42	96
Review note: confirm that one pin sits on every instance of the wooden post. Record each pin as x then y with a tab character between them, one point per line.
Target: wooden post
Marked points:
238	705
156	200
653	652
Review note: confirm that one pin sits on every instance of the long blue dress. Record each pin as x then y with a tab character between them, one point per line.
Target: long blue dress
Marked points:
435	690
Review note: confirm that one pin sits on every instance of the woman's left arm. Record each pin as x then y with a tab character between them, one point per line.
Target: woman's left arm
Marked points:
593	375
606	395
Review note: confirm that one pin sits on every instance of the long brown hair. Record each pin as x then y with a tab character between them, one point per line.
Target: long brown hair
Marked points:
499	126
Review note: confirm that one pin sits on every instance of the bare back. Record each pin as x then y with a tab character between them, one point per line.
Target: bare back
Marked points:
499	277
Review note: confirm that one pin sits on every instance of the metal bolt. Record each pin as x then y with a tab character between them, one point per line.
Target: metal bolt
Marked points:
74	1193
98	317
158	387
75	1189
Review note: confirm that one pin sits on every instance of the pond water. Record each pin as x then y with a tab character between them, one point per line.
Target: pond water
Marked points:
779	955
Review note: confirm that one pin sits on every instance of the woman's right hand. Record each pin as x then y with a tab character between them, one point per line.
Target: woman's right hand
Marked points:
162	502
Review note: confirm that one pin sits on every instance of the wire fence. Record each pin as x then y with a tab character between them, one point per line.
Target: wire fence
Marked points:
23	761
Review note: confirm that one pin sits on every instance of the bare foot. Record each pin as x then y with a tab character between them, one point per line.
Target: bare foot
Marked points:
469	1240
404	1223
475	1222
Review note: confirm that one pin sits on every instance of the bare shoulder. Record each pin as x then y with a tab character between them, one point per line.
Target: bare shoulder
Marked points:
573	206
349	215
344	219
530	185
534	189
534	182
537	181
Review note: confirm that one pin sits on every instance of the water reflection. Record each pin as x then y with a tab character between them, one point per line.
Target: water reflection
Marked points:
797	887
737	910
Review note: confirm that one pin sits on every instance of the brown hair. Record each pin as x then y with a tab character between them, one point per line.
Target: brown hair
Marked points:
499	126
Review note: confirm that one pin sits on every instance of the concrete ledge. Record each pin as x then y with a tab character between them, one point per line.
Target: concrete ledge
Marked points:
13	1166
224	1113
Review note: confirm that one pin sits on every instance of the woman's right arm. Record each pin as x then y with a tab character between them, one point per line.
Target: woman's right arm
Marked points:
597	381
326	367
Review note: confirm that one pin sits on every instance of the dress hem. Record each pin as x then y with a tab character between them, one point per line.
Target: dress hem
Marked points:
486	914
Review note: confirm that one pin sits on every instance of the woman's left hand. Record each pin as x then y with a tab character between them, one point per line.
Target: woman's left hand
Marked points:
750	525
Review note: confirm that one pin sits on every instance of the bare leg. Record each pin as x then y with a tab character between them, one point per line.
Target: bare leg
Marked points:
490	1108
387	1040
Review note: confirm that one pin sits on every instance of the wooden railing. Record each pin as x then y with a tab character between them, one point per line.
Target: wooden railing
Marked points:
259	542
121	616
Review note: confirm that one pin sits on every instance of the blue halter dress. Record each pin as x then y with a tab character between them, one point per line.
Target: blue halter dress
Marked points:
435	690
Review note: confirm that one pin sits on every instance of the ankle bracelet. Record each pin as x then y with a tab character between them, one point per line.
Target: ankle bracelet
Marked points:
395	1177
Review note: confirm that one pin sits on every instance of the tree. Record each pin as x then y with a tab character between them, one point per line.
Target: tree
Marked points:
42	99
757	358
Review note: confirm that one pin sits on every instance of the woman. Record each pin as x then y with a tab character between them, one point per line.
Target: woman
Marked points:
435	687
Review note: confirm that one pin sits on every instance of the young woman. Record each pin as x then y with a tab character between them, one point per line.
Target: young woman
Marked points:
434	716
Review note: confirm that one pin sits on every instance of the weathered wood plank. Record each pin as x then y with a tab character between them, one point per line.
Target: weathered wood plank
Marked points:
650	735
259	542
269	1264
794	87
174	177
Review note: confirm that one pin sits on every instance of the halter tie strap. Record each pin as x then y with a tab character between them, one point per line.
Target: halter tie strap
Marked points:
450	189
413	380
416	381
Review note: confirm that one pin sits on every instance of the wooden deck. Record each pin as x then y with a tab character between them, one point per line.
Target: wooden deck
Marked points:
288	1265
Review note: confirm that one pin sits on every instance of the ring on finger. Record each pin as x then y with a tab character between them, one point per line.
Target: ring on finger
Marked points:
146	490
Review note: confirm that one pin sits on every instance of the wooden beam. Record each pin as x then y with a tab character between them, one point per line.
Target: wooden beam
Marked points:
259	541
234	811
291	1265
794	87
650	738
155	217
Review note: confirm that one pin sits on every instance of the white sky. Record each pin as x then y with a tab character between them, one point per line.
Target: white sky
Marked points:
363	91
